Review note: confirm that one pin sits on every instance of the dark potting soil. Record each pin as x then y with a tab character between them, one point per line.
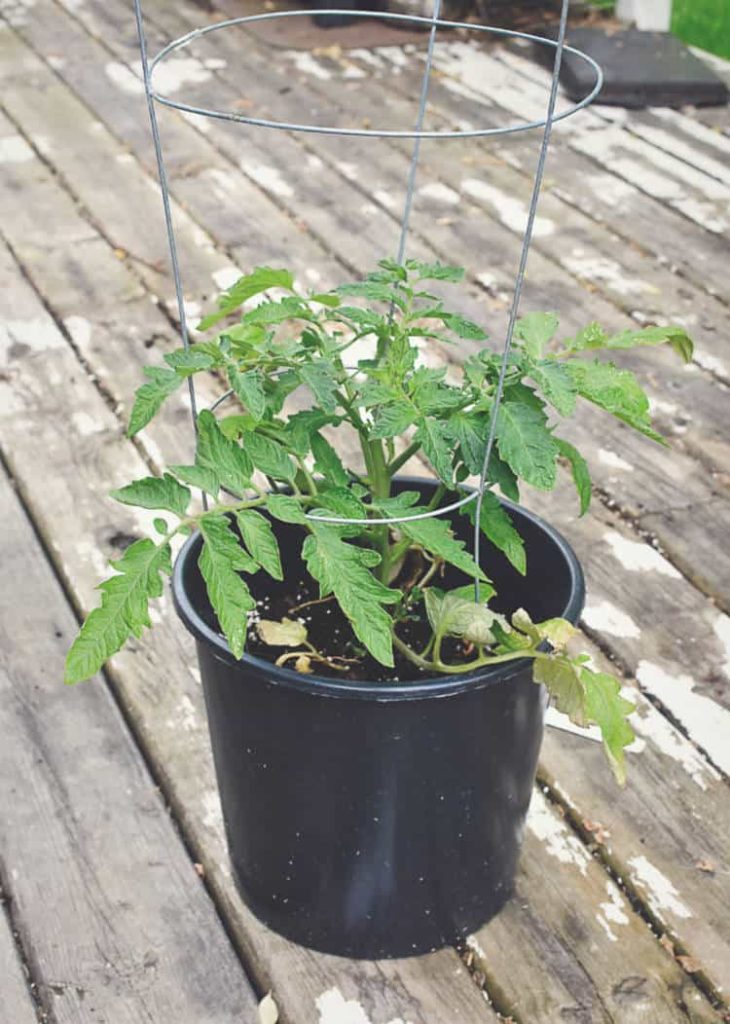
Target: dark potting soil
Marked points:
330	632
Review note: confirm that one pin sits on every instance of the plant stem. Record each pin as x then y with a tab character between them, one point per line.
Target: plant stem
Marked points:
436	665
400	460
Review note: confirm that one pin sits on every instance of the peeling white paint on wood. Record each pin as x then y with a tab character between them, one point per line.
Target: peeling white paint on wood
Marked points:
225	277
613	461
335	1009
85	424
611	189
602	270
269	178
473	943
659	731
706	721
638	556
15	150
385	199
660	892
21	337
612	911
607	618
721	625
512	212
124	78
307	64
439	193
711	363
558	840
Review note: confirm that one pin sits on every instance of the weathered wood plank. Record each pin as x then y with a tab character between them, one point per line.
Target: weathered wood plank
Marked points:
63	475
16	1003
116	923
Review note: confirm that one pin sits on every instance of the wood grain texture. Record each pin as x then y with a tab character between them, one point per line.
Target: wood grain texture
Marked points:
116	922
16	1005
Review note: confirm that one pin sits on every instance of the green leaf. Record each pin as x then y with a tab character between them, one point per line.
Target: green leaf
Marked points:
617	391
260	280
608	709
470	431
535	330
279	311
269	456
435	271
155	492
363	318
556	632
580	472
526	444
503	476
249	387
462	327
260	541
342	503
430	394
555	381
123	610
436	443
343	569
564	682
392	419
594	337
455	613
372	290
224	457
327	462
186	361
320	378
220	561
198	476
148	398
301	426
287	633
285	508
437	537
328	299
497	526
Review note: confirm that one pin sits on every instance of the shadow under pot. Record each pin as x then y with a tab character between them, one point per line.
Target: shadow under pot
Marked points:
378	819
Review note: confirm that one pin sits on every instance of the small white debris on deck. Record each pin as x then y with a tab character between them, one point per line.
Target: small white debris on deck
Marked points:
439	193
511	212
212	814
661	894
15	150
269	178
384	198
601	269
547	826
38	333
335	1009
706	721
306	63
721	625
367	57
660	405
226	276
172	75
80	330
638	556
607	618
612	911
185	716
614	461
85	424
347	170
473	943
659	731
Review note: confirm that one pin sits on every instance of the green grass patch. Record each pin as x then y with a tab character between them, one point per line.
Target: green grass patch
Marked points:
703	23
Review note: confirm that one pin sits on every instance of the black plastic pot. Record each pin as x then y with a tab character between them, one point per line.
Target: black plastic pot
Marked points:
378	819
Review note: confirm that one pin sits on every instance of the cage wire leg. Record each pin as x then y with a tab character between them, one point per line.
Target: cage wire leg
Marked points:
519	282
169	227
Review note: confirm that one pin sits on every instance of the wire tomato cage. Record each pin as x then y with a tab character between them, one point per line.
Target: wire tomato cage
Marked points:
417	134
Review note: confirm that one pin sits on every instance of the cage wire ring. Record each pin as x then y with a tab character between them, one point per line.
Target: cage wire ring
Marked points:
417	134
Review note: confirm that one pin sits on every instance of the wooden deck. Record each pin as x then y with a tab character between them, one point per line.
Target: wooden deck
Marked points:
119	906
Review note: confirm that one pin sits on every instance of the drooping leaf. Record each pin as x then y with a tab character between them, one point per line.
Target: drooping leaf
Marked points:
123	610
269	456
148	398
343	569
260	541
615	390
249	387
436	536
258	281
594	337
503	476
564	682
496	525
163	492
287	633
580	472
285	508
535	330
327	462
198	476
455	614
526	444
436	443
221	560
557	632
320	378
224	457
609	710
